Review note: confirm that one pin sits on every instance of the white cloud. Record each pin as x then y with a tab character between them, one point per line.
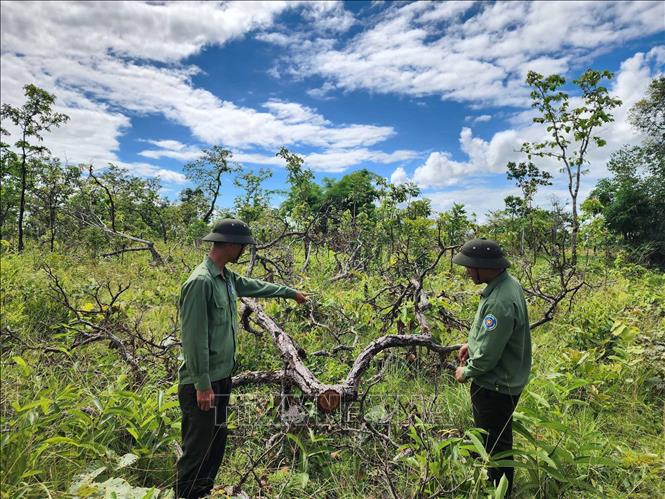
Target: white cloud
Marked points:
445	11
160	31
477	199
340	160
291	112
491	156
483	118
399	176
439	170
331	161
171	149
428	48
148	170
113	82
484	157
96	58
328	16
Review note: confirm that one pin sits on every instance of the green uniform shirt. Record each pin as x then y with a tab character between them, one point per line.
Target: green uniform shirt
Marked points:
500	338
209	320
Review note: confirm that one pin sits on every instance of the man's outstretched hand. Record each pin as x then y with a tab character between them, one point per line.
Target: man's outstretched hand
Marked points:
301	297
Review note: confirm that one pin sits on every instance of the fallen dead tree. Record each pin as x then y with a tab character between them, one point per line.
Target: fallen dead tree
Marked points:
327	396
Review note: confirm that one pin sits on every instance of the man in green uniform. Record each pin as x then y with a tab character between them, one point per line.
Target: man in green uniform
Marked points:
209	323
497	357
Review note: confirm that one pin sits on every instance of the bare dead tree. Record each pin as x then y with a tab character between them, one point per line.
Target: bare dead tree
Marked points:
93	220
108	195
329	396
103	320
400	290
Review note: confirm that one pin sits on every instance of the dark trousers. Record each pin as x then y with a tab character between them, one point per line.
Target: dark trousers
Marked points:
204	439
493	412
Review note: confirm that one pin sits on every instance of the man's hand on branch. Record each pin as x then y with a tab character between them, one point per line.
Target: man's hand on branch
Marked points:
463	353
462	356
205	399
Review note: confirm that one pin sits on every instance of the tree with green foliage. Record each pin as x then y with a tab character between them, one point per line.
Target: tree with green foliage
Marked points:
648	116
190	208
10	187
594	230
571	129
632	200
355	192
255	199
528	178
32	119
456	225
206	173
52	189
304	195
389	214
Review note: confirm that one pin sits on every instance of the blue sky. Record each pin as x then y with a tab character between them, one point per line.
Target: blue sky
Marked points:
426	92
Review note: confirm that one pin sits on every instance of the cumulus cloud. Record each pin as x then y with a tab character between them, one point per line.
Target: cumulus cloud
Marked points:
486	157
399	176
440	170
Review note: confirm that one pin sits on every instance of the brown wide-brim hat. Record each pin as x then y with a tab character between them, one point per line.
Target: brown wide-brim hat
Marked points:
481	254
230	230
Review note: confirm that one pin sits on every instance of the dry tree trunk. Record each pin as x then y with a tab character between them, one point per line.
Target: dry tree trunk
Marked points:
328	396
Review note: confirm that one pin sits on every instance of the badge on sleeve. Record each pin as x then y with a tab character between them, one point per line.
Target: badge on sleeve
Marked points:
490	322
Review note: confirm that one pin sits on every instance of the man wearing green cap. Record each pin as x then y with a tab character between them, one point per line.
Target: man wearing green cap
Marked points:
497	357
209	325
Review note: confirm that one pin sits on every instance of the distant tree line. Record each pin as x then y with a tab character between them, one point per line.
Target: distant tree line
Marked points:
110	210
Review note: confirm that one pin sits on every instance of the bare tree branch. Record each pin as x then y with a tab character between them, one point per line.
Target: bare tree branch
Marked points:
329	396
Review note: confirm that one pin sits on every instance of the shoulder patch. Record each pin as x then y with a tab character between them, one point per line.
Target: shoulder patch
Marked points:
489	322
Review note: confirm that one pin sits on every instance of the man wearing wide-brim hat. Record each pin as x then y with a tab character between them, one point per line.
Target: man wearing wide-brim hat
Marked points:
209	325
497	357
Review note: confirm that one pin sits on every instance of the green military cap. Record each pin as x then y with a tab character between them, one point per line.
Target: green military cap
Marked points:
483	254
230	230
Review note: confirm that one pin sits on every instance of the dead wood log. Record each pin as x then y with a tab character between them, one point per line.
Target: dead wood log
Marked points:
329	396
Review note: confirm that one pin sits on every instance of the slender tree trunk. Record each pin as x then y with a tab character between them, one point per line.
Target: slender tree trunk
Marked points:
52	226
21	206
206	217
308	251
576	228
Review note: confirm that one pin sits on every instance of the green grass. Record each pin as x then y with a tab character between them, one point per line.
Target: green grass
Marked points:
591	420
